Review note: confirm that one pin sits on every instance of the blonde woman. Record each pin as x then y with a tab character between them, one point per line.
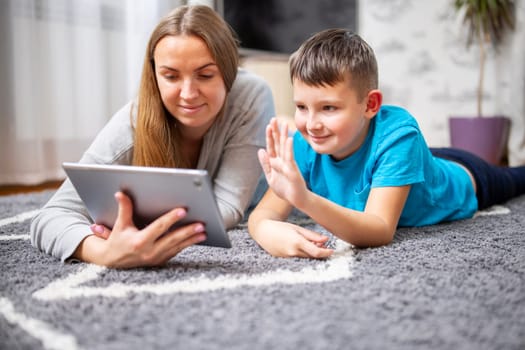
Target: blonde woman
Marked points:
195	109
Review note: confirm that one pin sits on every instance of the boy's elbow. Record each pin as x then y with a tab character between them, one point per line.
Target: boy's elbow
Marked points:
253	222
373	241
372	244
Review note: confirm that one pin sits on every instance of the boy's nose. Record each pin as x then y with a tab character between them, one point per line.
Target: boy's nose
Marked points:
313	122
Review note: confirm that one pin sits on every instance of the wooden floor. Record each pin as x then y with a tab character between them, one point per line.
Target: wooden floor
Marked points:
18	189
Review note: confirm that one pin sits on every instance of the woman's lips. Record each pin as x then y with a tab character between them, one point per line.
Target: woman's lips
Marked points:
190	108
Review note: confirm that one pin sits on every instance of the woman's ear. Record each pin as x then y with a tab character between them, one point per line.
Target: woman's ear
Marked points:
374	100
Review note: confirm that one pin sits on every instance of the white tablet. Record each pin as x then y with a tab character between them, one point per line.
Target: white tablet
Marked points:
154	191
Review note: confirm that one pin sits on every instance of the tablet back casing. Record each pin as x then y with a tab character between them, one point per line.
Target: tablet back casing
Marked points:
154	191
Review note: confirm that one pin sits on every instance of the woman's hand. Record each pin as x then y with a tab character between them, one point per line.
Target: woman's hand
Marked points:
126	246
283	239
280	169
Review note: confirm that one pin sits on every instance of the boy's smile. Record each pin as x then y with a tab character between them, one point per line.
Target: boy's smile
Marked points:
331	118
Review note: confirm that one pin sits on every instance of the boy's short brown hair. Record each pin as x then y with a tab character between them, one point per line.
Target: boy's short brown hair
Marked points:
332	55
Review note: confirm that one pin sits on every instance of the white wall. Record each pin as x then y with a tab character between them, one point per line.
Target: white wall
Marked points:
424	65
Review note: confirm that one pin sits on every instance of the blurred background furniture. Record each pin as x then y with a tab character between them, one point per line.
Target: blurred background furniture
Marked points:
67	65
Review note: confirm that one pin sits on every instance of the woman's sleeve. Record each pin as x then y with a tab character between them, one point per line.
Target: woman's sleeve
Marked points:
61	225
239	171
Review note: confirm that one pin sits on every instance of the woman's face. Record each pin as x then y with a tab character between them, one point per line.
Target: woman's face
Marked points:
190	82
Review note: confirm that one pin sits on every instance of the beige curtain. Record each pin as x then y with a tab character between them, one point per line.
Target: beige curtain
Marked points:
65	67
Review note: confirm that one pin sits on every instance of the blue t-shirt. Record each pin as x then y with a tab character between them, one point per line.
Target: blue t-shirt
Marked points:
393	154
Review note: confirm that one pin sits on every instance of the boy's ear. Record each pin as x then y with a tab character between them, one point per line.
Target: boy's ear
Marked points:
374	100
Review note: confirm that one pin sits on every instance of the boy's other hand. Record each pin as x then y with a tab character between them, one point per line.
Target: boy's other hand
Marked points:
283	239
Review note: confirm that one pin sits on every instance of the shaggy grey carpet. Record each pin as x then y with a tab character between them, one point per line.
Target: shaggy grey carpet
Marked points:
452	286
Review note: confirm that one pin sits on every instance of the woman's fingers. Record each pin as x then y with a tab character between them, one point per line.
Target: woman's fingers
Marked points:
152	246
125	211
174	242
181	235
163	223
100	231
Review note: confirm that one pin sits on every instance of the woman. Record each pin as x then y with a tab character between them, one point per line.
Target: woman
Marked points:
195	109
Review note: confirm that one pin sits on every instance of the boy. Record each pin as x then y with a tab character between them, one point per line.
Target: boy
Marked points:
357	168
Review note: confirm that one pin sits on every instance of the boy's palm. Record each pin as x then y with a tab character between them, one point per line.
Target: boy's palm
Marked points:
279	165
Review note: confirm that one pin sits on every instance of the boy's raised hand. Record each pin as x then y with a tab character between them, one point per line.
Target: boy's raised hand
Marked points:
279	166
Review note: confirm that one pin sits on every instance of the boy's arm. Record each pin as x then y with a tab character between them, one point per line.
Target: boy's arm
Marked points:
373	227
267	227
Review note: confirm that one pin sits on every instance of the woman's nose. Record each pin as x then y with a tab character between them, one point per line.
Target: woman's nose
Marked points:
189	89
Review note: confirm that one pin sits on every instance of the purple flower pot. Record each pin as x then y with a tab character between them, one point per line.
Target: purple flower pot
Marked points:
484	136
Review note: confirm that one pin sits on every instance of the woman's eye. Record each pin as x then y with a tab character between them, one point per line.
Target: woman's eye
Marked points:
205	76
170	77
300	107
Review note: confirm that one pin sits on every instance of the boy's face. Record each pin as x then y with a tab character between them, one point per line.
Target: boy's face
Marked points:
331	118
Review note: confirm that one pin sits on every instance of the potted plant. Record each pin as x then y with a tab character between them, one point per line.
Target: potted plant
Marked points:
487	22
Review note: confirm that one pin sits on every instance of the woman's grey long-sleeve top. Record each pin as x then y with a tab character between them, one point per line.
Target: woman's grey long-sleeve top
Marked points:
228	153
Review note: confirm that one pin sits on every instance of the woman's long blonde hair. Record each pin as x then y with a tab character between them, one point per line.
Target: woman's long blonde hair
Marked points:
156	140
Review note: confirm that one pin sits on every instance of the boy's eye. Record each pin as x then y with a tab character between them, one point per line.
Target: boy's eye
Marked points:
329	108
300	107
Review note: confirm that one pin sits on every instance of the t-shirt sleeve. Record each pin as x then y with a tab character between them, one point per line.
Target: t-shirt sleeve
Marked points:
400	158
